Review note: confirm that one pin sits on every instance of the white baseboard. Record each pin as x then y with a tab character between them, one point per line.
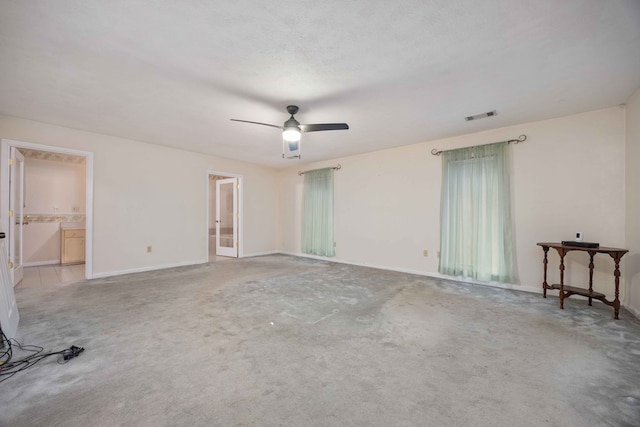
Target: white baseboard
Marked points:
39	263
633	311
144	269
525	288
165	266
254	254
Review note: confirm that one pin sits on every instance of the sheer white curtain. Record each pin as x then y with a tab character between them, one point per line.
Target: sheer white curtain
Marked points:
317	212
475	217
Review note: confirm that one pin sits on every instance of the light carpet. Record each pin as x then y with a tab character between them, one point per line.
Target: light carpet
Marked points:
286	341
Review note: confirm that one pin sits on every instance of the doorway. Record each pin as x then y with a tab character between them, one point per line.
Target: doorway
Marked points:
49	232
224	216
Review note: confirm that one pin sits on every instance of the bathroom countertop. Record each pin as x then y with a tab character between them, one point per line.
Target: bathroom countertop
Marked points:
72	225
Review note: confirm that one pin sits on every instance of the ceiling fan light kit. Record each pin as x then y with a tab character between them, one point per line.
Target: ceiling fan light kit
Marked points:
291	150
292	132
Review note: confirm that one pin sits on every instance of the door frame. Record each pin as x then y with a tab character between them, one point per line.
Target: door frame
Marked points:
4	190
240	208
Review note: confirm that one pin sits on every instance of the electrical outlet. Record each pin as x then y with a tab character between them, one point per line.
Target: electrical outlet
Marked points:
425	253
149	248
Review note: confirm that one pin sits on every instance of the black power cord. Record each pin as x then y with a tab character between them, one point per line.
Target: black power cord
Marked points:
72	352
5	356
9	368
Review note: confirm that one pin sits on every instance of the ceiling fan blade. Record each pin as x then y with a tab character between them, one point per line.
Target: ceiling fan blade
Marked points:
324	126
256	123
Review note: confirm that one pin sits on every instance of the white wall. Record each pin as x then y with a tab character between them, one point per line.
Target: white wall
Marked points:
146	194
567	177
41	243
54	186
632	259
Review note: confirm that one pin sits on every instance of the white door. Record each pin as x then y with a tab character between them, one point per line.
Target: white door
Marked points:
227	217
9	316
16	214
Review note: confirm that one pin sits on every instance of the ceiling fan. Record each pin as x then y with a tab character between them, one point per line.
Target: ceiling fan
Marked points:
292	129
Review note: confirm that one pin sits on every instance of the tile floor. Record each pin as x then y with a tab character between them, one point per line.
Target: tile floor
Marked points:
50	275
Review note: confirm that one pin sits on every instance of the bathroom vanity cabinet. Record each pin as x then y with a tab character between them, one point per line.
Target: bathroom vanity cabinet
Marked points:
72	245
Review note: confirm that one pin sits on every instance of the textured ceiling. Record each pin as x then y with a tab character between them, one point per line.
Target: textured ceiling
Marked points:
174	72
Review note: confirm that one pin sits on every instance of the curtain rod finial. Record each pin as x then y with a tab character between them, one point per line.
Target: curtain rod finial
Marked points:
521	138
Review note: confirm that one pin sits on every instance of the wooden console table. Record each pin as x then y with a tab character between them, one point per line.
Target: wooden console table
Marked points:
567	291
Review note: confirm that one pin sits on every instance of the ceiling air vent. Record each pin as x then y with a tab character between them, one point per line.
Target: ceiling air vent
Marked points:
481	116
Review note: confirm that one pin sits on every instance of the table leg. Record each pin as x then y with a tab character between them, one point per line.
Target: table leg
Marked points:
591	255
545	261
561	252
616	273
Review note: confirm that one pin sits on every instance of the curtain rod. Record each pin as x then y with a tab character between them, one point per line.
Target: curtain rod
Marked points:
334	167
521	138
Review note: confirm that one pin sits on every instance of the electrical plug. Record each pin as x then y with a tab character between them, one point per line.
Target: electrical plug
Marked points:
72	352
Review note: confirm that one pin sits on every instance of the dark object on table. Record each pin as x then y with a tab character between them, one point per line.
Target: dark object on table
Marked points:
580	244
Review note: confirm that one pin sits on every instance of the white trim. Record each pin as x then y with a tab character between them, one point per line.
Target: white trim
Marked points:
39	263
524	288
255	254
4	190
50	148
145	269
240	209
633	311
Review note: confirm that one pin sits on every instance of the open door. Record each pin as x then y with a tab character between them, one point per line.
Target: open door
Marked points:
16	214
227	217
9	316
